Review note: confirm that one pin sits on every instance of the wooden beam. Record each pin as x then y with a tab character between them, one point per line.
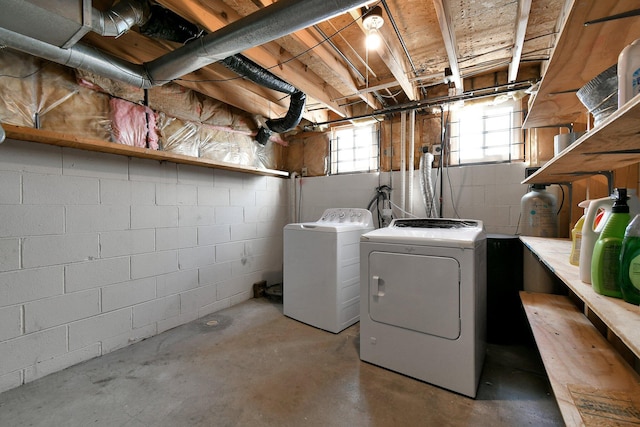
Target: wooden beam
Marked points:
524	8
380	86
449	38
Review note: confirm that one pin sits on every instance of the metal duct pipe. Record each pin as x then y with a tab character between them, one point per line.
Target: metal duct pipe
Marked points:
120	18
274	21
79	56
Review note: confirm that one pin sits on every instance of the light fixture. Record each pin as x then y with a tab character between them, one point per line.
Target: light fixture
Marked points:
448	75
372	21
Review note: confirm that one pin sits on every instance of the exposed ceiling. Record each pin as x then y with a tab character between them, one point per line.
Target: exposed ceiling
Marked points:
329	62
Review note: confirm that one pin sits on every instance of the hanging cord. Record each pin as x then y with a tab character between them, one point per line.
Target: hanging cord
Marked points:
383	194
561	200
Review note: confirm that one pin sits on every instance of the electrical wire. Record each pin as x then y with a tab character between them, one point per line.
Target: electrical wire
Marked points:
26	76
402	210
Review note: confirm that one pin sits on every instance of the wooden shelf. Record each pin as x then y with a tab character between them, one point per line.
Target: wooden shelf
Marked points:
591	381
615	143
621	318
581	53
72	141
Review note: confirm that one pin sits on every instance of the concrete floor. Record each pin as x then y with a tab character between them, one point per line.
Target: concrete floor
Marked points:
251	366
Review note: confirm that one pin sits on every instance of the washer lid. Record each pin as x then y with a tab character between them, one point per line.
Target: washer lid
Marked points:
338	220
429	231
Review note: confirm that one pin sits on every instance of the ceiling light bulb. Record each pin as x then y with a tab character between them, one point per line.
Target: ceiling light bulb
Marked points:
373	39
372	20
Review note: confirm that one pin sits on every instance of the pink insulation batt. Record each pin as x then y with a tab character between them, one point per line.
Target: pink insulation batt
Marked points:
129	124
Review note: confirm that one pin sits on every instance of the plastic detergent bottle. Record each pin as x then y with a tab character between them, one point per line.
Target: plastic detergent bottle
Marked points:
628	73
605	263
629	274
590	234
576	235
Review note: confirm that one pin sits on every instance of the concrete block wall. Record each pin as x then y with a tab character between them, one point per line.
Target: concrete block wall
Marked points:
490	193
99	251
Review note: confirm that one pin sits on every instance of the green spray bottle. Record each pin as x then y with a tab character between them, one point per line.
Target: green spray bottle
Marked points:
606	252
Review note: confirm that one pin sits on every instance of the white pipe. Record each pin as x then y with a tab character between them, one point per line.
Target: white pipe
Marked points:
412	159
293	199
403	160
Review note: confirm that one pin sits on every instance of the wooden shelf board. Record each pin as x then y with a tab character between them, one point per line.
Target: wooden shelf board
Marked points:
613	144
73	141
580	54
622	318
591	381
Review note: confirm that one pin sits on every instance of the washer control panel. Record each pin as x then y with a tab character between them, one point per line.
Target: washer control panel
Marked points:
347	216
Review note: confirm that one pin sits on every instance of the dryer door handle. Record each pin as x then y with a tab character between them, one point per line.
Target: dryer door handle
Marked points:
376	281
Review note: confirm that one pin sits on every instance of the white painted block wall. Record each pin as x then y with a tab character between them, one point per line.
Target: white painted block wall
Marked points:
99	251
490	193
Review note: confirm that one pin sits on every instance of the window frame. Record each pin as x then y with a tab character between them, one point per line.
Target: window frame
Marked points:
373	157
514	149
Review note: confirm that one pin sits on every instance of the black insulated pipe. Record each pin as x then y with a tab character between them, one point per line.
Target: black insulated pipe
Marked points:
164	24
254	72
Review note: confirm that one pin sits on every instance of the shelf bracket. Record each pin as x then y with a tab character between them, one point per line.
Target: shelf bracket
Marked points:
609	175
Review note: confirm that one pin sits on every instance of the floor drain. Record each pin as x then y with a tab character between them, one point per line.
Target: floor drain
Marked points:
212	323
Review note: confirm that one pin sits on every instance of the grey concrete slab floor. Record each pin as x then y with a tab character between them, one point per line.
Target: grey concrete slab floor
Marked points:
249	365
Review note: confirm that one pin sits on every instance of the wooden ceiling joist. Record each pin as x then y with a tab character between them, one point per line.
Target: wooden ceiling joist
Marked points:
449	38
524	9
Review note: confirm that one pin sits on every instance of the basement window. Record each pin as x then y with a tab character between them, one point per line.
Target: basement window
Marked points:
486	133
355	149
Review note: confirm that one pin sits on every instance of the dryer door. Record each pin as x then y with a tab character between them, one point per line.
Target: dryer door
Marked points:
417	292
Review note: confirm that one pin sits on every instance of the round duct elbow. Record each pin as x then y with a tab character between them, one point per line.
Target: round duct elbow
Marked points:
263	136
286	123
293	116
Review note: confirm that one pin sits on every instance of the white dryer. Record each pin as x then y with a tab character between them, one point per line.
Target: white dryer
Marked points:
423	300
321	277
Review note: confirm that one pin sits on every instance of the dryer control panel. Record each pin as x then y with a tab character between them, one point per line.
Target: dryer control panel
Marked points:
347	216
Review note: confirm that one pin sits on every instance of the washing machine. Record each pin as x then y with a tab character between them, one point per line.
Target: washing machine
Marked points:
321	277
423	300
